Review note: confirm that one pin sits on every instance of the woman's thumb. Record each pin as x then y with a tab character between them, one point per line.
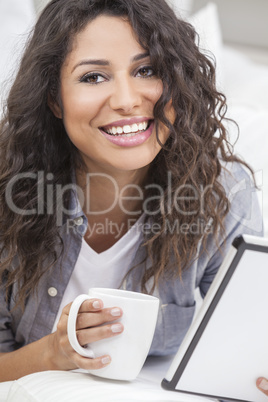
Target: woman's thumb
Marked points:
262	384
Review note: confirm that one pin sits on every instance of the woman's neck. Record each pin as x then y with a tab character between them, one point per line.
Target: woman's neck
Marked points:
113	192
116	199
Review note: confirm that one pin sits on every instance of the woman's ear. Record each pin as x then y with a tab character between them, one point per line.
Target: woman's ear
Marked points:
54	107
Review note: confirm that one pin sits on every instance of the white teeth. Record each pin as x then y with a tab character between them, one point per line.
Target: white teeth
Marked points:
142	126
128	130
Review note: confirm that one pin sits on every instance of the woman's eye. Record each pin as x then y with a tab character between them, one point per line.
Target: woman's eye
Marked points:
92	78
145	72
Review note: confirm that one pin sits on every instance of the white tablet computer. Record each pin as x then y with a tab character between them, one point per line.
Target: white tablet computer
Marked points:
226	348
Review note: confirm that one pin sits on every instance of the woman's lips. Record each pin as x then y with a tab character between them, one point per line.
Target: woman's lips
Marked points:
129	138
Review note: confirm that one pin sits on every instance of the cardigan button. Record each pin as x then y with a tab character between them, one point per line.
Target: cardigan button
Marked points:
79	221
52	292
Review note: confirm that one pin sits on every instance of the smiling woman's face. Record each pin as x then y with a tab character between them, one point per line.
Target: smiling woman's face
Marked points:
108	92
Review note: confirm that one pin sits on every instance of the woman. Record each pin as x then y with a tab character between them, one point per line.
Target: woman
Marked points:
115	172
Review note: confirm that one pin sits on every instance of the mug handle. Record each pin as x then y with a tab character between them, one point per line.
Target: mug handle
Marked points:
71	327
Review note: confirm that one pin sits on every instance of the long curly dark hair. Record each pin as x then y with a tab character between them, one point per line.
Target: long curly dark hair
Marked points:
33	140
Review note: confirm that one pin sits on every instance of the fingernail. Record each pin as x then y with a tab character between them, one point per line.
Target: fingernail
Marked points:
106	360
264	384
96	304
116	328
116	312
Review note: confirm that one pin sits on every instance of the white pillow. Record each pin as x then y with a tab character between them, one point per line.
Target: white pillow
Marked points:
16	20
246	87
246	81
182	7
207	25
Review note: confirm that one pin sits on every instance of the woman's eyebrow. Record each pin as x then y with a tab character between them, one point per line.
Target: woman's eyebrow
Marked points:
93	62
103	62
139	57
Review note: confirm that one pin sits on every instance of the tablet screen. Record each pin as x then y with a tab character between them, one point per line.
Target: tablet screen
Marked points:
229	349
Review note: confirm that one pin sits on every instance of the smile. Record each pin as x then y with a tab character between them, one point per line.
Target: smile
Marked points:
128	135
128	130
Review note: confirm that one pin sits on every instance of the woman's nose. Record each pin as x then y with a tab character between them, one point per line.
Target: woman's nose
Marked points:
126	96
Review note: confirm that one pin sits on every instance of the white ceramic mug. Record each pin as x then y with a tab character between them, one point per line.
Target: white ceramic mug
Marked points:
129	349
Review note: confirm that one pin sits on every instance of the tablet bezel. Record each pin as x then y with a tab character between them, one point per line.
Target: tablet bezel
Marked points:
239	245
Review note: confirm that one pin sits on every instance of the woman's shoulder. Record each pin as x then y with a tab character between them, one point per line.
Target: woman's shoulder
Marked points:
244	198
235	173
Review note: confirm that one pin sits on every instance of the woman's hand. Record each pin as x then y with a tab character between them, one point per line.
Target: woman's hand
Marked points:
89	328
262	384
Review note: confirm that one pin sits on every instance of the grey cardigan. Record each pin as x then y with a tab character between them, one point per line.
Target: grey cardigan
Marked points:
177	297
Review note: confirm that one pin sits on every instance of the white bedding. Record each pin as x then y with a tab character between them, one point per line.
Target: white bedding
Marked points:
59	386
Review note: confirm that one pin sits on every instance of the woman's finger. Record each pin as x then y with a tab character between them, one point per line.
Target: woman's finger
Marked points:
93	334
87	319
262	384
92	364
90	305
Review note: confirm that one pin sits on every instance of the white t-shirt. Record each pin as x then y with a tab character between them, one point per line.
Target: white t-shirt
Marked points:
106	269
